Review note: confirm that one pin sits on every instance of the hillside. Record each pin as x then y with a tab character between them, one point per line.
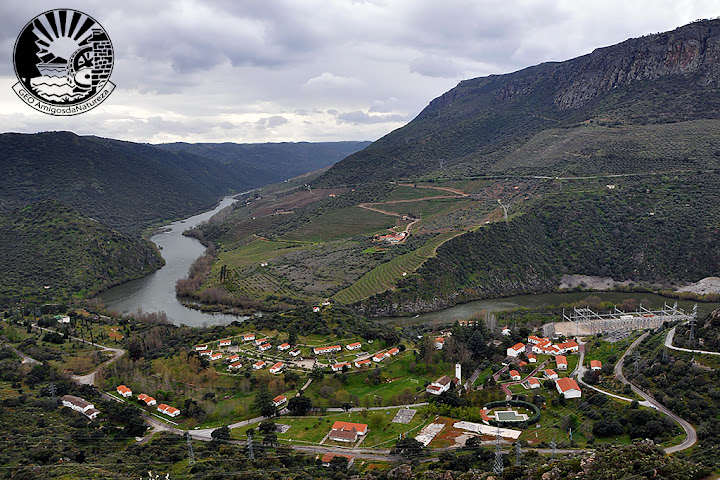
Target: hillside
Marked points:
264	163
48	244
649	103
125	185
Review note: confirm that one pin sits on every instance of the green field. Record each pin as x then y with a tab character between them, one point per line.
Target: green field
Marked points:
255	252
385	276
341	223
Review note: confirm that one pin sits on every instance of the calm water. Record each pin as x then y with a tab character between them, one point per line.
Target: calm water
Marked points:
466	310
156	292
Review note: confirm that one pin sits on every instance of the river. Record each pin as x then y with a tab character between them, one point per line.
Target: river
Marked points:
156	292
466	310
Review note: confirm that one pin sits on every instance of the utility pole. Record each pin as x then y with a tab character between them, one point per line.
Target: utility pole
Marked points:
53	391
518	454
553	447
498	466
665	355
692	330
191	453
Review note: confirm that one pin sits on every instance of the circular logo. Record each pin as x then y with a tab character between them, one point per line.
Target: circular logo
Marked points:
63	59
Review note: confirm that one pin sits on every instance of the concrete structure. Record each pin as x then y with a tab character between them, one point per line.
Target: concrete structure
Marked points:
458	373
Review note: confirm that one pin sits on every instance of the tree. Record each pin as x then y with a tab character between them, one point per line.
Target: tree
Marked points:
408	447
267	426
268	410
270	439
318	372
299	405
221	434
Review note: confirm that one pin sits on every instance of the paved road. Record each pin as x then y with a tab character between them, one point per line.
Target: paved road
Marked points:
690	433
669	344
25	358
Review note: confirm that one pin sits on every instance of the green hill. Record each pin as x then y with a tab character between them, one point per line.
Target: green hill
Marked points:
48	244
620	109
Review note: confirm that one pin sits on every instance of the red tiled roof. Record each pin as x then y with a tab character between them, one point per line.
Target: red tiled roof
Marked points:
567	383
347	426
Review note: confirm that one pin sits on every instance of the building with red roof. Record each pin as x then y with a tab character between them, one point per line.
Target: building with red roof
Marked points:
124	391
516	350
515	375
561	362
595	365
568	387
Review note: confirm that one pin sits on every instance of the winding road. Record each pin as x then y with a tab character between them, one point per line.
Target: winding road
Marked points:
690	433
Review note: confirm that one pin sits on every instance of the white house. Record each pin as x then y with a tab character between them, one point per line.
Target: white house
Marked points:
283	347
295	353
248	337
259	365
360	363
506	331
550	374
568	387
571	346
339	366
439	386
260	341
561	362
439	343
533	382
216	356
200	348
279	400
353	346
595	365
225	343
515	375
235	366
124	391
277	368
264	347
324	350
516	350
80	405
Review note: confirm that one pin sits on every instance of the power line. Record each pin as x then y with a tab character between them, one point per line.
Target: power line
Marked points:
498	466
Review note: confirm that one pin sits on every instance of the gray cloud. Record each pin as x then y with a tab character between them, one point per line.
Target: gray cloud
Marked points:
228	70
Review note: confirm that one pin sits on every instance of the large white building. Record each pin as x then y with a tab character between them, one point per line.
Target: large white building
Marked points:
568	387
80	405
439	386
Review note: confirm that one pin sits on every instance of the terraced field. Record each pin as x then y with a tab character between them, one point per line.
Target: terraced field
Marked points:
385	276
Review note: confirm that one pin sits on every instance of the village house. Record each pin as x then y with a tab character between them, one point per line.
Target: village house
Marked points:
339	366
277	368
516	350
264	347
248	337
205	353
568	387
379	357
295	353
393	351
216	356
325	350
561	362
532	358
283	347
571	346
595	365
225	343
149	401
80	405
534	340
316	309
260	341
168	410
347	432
279	400
484	416
124	391
505	331
514	375
439	386
360	363
533	382
353	346
439	343
235	366
200	348
550	374
233	358
327	459
259	365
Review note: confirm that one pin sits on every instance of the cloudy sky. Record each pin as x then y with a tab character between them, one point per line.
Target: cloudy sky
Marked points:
314	70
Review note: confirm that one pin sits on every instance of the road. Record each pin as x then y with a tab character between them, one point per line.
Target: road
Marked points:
89	379
690	433
25	358
669	344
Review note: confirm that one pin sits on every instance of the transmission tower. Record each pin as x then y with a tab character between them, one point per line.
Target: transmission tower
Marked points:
692	329
665	355
553	447
251	452
518	454
191	453
53	390
498	466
